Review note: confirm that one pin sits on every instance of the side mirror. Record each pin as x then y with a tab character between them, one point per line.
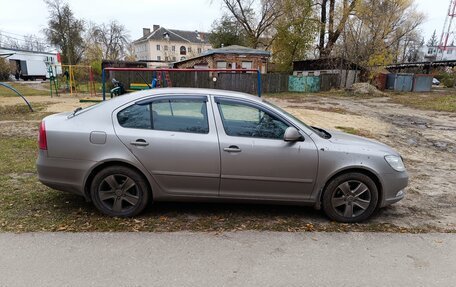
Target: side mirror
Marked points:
292	135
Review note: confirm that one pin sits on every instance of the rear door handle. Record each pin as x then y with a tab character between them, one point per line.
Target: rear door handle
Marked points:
232	148
140	142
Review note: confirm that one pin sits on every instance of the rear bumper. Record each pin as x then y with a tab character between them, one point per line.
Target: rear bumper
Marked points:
393	186
62	174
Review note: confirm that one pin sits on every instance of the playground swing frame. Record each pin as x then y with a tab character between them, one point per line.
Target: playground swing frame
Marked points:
91	82
103	74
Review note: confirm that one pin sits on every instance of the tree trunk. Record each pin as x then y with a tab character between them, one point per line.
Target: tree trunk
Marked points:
321	46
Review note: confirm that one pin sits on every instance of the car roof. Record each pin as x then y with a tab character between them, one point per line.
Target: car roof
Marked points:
182	92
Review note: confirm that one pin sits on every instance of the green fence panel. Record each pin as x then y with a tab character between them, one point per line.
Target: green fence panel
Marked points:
308	84
312	84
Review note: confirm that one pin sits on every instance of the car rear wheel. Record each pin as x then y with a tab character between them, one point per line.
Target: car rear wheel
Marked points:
350	197
119	191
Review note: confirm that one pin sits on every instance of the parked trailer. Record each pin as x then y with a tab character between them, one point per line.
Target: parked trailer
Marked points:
31	65
32	70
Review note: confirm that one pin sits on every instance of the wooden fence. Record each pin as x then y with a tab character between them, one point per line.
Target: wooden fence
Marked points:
242	82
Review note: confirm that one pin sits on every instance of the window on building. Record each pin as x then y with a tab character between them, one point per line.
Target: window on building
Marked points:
158	47
183	50
199	50
165	47
174	59
246	65
173	48
221	65
159	58
189	49
450	51
166	58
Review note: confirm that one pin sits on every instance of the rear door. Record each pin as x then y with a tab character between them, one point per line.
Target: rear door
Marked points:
256	162
176	140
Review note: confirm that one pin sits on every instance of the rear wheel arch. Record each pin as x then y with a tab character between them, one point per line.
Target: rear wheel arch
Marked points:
364	171
98	168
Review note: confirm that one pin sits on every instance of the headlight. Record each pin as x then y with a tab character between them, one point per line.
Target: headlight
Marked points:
395	162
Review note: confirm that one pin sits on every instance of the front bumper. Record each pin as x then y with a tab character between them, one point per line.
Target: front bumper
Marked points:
393	187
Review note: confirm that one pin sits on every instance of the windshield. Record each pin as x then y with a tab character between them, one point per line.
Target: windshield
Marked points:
319	131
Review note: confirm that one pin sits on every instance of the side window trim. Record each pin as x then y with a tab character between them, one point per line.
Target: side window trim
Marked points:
170	98
203	99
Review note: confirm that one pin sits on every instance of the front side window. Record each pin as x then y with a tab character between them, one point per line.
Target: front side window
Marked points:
177	115
243	120
158	47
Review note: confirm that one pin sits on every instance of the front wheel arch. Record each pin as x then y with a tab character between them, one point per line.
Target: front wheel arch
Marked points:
104	165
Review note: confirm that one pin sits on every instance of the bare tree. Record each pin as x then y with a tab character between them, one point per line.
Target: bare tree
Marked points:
381	32
256	17
113	38
332	27
65	31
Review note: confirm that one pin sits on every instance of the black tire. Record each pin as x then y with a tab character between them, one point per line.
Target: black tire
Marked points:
111	196
345	201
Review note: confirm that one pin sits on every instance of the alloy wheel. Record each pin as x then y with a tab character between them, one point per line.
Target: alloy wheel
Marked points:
118	193
351	198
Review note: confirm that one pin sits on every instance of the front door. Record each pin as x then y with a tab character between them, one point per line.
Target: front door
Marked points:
256	162
176	140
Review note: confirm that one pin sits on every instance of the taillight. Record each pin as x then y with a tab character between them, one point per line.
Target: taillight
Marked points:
42	141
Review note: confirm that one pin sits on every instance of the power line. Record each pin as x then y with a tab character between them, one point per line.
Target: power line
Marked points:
21	35
24	40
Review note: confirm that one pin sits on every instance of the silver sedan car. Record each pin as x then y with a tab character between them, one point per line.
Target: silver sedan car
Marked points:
181	144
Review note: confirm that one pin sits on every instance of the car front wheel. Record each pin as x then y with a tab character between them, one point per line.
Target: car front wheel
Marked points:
119	191
350	197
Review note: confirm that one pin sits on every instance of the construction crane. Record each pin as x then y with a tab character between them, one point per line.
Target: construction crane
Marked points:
448	33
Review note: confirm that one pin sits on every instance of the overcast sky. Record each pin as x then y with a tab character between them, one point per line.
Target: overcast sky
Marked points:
22	17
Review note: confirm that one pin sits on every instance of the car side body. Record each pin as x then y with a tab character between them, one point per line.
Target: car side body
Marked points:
209	164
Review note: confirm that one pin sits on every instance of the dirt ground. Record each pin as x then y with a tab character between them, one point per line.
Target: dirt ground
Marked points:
426	140
45	104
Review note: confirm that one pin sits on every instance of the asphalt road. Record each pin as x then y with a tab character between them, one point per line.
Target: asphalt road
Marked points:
227	259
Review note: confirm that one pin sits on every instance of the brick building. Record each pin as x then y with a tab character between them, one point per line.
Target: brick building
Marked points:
230	57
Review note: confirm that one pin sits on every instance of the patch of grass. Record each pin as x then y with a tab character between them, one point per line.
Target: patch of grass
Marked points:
433	101
353	131
25	89
22	112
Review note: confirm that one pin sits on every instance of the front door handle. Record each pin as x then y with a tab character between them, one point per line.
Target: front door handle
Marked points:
140	142
232	148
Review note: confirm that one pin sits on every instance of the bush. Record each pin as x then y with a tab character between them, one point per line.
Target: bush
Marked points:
5	70
448	82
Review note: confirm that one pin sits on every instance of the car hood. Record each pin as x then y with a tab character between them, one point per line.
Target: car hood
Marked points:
341	138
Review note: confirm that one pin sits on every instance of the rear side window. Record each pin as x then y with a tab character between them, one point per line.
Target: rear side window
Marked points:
136	116
178	115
